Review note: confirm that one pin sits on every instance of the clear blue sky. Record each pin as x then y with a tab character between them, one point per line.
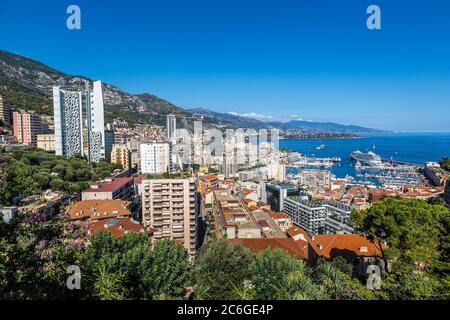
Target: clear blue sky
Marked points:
314	60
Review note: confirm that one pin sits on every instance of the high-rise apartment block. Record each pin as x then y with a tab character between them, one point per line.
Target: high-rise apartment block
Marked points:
5	111
120	154
155	157
171	207
26	127
171	128
70	125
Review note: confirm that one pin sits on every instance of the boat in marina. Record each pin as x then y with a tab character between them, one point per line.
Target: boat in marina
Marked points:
320	147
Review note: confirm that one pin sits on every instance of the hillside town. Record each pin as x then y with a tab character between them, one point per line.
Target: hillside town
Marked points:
194	197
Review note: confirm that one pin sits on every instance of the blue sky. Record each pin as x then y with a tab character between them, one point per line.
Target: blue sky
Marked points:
278	60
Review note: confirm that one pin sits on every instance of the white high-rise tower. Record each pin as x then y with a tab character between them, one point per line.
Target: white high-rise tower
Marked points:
171	128
96	123
68	116
68	113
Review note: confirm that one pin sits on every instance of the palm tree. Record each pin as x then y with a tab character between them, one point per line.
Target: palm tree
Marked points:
301	286
109	285
201	292
331	279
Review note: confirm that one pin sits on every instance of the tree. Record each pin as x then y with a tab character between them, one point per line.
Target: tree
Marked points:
109	285
147	273
220	265
170	270
417	236
36	251
271	268
445	163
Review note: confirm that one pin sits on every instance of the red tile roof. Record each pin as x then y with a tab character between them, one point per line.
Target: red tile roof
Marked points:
105	186
117	226
98	209
328	245
138	179
278	215
209	177
261	244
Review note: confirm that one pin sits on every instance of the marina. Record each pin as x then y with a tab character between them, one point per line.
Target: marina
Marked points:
401	156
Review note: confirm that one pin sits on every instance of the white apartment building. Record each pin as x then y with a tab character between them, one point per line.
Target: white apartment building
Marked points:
96	123
171	128
170	206
69	123
307	214
155	157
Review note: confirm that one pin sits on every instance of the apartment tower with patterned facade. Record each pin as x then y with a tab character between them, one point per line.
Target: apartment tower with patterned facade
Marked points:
70	125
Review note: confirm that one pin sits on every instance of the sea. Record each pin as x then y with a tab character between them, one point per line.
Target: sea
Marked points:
416	148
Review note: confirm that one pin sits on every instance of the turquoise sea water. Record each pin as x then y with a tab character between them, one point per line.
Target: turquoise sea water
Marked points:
408	147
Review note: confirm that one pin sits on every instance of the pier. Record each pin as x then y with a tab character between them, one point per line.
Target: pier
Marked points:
401	163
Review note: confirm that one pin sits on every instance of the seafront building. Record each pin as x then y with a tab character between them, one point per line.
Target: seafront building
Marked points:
170	206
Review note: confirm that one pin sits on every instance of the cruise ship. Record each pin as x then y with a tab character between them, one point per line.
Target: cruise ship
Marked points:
370	158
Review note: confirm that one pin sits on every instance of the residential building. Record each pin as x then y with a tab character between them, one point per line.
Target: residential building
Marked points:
155	157
5	111
68	122
356	249
276	171
338	216
7	213
109	142
309	215
94	210
71	136
96	123
171	128
170	206
110	189
283	220
232	218
26	127
6	140
434	175
207	183
117	226
120	154
46	141
275	193
315	178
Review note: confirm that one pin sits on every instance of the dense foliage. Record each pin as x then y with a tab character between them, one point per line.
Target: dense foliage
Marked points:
419	246
229	271
138	271
445	163
29	172
36	250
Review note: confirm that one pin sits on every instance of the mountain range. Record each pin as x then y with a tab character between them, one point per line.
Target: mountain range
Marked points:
28	83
